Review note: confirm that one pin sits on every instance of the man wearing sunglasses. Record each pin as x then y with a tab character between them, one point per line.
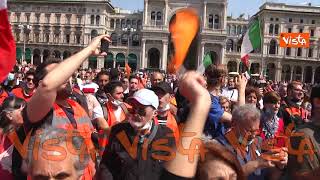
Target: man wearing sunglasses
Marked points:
26	90
140	131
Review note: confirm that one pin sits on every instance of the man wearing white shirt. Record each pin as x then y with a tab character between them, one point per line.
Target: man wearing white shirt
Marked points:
230	91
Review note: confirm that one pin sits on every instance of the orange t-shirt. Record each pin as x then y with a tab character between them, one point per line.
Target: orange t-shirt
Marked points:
18	92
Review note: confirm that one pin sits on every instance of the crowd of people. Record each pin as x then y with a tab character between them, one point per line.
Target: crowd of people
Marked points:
59	121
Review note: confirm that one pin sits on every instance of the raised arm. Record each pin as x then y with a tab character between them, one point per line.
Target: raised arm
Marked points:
241	83
46	93
192	87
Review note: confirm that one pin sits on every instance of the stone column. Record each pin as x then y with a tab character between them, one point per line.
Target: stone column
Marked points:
41	57
202	54
100	62
31	58
223	51
146	12
278	71
313	74
291	73
302	74
204	14
164	55
61	56
166	14
143	55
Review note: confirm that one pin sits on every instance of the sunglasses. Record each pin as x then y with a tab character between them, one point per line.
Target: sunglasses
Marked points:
29	79
141	111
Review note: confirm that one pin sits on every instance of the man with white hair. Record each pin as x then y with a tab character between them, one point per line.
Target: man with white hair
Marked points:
139	132
243	141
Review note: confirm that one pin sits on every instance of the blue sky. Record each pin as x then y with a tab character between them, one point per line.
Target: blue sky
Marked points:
236	7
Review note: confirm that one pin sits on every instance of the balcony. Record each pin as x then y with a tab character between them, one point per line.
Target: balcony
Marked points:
155	28
210	31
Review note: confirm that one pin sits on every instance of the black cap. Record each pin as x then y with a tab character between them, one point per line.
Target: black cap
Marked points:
163	86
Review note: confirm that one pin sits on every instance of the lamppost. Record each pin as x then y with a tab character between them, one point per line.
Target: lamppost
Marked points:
23	28
128	30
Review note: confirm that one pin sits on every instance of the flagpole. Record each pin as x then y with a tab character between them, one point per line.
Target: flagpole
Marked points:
262	45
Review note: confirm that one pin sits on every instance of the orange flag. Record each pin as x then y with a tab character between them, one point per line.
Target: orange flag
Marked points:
183	27
127	70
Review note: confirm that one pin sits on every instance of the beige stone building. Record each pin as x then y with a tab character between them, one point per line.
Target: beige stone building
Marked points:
60	28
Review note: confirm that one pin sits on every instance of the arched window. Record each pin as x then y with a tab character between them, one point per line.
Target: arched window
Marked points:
128	23
94	33
228	29
124	39
233	30
98	20
112	23
273	47
153	15
114	39
271	29
135	40
229	45
117	23
276	29
123	23
210	25
92	20
159	16
216	22
239	30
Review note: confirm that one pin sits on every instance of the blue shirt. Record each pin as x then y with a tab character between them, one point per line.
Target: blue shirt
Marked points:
214	127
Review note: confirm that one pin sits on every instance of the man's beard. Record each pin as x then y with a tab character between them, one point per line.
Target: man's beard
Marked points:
64	93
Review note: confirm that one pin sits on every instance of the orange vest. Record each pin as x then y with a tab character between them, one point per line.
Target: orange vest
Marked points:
172	124
3	96
112	120
19	92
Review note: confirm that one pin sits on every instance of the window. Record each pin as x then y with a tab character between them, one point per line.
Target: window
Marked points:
271	29
159	16
128	23
92	20
288	51
229	45
153	15
123	23
78	38
134	24
301	30
37	18
98	20
277	19
271	19
313	21
124	39
58	18
135	40
117	23
56	38
228	29
67	38
139	24
47	37
310	53
28	18
36	37
68	19
114	39
301	21
216	22
79	19
48	18
18	17
273	47
211	21
299	52
290	20
276	29
312	32
94	33
112	23
17	36
239	30
233	29
289	30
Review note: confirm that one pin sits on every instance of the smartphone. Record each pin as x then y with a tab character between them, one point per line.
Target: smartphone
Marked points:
104	46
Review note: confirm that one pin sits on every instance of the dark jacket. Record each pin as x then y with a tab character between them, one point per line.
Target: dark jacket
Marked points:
133	166
292	113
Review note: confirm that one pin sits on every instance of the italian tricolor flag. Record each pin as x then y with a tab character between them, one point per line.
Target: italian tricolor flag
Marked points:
205	63
7	44
251	41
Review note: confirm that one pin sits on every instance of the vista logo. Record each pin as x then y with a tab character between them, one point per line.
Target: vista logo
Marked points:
295	40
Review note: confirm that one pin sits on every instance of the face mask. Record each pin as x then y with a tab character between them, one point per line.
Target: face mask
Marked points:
87	81
166	108
10	77
139	125
116	102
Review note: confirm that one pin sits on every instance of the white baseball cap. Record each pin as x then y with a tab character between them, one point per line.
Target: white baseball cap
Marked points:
146	97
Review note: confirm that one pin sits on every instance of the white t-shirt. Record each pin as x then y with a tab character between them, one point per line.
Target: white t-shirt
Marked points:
231	94
89	86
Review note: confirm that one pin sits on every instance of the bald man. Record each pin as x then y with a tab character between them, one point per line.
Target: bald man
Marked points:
156	78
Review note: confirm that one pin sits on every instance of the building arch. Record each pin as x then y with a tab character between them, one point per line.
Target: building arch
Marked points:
154	58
